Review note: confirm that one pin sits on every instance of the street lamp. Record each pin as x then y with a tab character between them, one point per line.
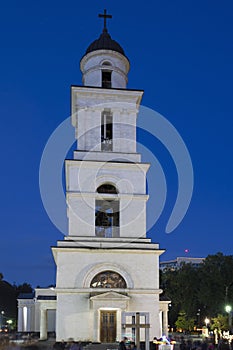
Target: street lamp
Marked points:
198	317
9	322
207	321
228	310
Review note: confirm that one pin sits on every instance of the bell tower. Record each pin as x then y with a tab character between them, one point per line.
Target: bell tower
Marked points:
105	265
104	114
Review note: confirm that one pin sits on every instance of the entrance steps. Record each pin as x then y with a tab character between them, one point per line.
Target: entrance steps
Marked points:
101	346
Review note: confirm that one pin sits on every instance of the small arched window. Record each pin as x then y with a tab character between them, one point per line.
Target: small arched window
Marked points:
107	188
106	63
108	279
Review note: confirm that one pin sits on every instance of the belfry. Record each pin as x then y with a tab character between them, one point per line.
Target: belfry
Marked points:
107	276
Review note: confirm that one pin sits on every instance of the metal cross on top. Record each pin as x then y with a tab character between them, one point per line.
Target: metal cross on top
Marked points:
105	16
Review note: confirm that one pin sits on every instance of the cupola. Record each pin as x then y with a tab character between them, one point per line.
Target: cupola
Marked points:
105	63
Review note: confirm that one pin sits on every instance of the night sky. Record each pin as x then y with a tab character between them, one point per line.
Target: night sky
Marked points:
181	54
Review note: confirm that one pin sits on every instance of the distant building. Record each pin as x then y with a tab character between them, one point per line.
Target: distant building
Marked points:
176	263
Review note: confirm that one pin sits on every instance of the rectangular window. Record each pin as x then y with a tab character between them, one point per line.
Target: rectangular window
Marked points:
106	79
106	131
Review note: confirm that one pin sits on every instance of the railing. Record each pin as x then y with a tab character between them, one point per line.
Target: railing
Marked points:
106	84
107	232
106	144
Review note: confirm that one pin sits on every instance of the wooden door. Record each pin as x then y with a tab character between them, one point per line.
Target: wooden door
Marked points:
108	326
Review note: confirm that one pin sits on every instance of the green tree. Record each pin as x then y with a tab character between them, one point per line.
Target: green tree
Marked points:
216	283
188	280
23	288
169	285
7	299
183	322
181	287
220	323
208	287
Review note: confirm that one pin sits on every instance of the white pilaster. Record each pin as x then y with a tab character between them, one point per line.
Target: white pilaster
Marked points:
165	323
20	319
43	324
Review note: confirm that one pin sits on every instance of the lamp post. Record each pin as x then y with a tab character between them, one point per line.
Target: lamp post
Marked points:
2	317
207	321
228	310
198	317
9	322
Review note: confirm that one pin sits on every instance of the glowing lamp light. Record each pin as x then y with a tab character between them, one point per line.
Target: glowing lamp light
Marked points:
207	321
228	308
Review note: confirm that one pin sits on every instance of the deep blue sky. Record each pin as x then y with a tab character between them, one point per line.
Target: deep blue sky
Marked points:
181	54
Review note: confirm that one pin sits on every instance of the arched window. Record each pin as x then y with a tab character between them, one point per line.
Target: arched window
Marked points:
107	218
107	212
108	279
106	63
107	188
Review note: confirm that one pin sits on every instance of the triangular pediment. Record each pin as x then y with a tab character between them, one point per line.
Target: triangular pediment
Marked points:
110	296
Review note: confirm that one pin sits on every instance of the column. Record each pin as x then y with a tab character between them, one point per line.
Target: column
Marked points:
165	323
29	313
147	331
96	325
160	323
43	324
117	138
20	319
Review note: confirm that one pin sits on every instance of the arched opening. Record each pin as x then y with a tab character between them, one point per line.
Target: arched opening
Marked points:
107	212
107	188
106	63
108	279
107	218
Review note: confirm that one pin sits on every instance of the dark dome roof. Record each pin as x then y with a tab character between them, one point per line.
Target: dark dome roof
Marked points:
105	42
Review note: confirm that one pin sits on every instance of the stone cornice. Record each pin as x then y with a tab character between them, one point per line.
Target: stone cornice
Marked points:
108	165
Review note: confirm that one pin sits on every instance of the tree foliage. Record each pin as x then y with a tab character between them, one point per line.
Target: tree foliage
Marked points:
183	322
216	278
207	288
23	288
8	297
220	322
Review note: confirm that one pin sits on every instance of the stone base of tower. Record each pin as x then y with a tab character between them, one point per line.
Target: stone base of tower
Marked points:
95	286
84	318
79	316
